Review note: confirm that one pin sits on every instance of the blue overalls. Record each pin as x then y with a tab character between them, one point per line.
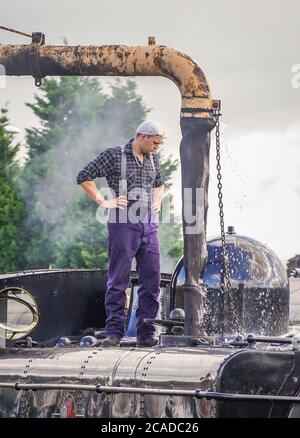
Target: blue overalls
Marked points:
126	241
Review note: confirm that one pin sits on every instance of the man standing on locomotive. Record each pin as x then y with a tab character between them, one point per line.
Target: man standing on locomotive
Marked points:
133	174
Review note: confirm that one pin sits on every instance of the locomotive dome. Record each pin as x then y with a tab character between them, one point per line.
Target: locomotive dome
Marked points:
259	287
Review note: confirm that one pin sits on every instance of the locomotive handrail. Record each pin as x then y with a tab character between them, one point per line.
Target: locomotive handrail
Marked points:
223	396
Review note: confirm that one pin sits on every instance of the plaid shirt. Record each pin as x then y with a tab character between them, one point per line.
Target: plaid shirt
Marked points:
108	164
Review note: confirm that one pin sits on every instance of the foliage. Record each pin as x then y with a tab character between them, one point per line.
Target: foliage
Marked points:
11	206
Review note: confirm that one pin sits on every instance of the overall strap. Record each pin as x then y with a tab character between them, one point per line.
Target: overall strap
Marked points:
123	163
123	182
152	162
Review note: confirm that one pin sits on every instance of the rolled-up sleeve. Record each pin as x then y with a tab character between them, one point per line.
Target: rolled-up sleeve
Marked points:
102	165
159	180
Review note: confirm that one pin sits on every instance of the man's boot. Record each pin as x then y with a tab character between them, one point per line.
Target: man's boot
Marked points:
110	341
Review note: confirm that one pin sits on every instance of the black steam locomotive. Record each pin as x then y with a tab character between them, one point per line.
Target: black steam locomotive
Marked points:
53	366
227	354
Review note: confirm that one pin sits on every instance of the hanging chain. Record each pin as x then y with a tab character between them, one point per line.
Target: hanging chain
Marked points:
226	286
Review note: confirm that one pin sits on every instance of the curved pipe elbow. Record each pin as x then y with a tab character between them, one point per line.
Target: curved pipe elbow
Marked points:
115	60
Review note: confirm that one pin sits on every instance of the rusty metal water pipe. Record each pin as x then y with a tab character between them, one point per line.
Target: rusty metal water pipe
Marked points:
40	60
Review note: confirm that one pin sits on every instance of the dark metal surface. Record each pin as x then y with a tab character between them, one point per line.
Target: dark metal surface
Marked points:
259	283
295	273
152	368
262	373
194	155
209	395
68	301
151	382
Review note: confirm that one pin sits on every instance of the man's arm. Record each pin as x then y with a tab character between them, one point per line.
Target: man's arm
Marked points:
102	166
91	190
158	195
158	185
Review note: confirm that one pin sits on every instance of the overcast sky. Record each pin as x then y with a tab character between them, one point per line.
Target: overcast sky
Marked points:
247	50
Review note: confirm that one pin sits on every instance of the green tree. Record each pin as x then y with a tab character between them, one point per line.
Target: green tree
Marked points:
11	206
69	112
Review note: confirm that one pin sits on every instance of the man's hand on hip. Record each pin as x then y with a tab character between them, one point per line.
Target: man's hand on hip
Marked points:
119	202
